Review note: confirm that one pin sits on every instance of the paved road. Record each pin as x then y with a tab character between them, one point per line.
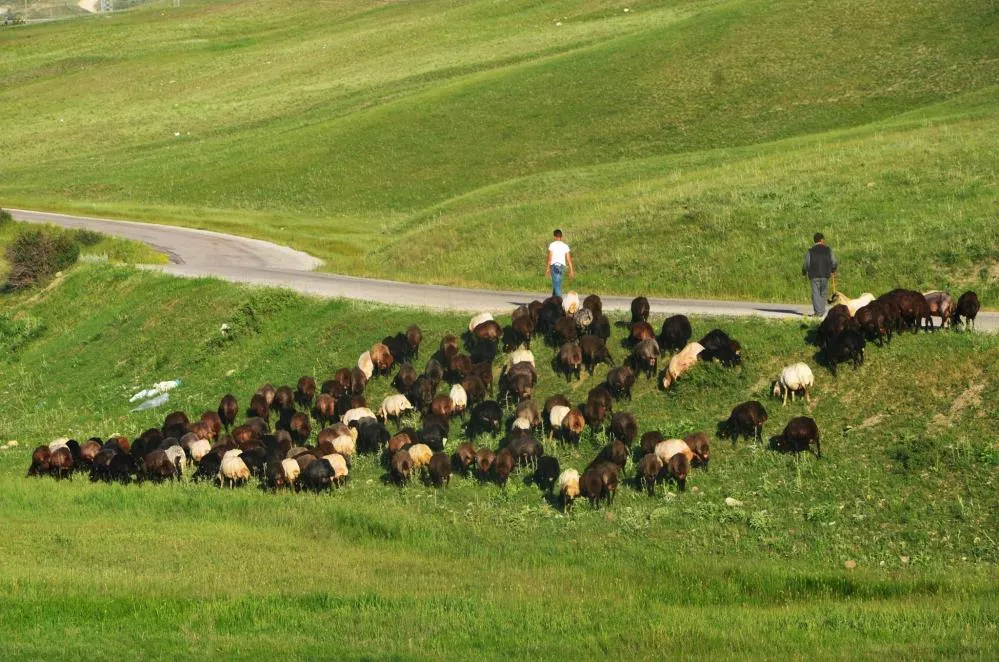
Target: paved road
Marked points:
197	253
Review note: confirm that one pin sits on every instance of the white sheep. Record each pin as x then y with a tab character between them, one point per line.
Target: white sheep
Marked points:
797	377
235	452
667	449
56	444
292	470
346	444
681	362
568	486
421	455
557	415
519	356
176	455
366	365
393	406
570	303
853	305
199	449
460	398
479	319
356	414
342	429
521	423
233	469
339	464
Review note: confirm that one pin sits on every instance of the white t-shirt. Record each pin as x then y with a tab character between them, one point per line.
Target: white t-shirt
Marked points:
559	249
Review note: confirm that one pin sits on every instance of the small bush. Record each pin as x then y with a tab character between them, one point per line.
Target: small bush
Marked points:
5	217
36	255
86	237
18	330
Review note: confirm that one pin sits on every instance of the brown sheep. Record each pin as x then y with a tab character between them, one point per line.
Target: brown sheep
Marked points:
464	457
624	427
440	469
798	436
325	410
259	407
967	307
620	381
484	459
382	358
594	305
442	405
595	351
342	377
700	445
401	467
573	425
40	461
640	310
268	391
503	465
300	428
746	418
358	381
570	360
650	439
677	469
649	470
450	346
414	336
228	410
640	331
284	399
404	378
475	390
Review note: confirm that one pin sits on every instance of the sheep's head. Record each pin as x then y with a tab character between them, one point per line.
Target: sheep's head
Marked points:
776	389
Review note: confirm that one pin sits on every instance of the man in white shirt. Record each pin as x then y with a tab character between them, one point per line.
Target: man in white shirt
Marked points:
559	258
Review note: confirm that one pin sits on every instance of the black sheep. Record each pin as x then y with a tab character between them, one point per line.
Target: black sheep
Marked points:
620	380
675	333
746	419
440	470
317	476
228	409
967	307
640	310
847	346
546	473
486	417
798	436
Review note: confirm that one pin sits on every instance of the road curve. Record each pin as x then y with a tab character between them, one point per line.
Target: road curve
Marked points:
200	253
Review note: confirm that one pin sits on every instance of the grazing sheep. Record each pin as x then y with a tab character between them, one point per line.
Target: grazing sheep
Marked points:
601	326
594	304
479	319
199	449
340	469
157	467
233	470
459	366
520	332
624	427
484	371
852	305
284	399
620	381
443	406
518	356
291	471
700	446
40	461
300	427
259	407
401	466
837	321
267	391
746	418
847	346
503	465
598	483
555	417
228	409
414	336
681	363
568	487
798	436
325	409
176	424
393	406
214	423
440	470
366	365
639	331
650	467
913	308
793	378
582	318
404	378
484	460
519	381
645	357
675	333
450	345
570	361
305	391
570	303
719	346
941	304
317	475
528	409
640	310
475	390
525	449
967	307
464	457
546	473
874	322
572	426
615	452
521	423
649	441
665	450
677	469
595	351
398	347
564	331
356	414
486	417
421	454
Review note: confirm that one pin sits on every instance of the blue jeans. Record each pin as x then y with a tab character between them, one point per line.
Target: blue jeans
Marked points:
557	271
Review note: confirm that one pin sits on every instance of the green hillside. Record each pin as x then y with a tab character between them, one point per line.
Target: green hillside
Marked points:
906	490
689	148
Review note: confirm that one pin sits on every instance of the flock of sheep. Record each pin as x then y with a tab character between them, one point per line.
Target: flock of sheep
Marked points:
288	456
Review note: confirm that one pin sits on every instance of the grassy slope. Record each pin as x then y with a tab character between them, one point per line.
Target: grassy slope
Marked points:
717	125
475	570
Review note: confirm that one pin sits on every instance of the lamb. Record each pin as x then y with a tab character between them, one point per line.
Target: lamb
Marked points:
645	357
675	333
570	303
793	378
570	360
798	436
366	365
233	470
650	468
681	363
479	319
393	406
228	409
440	470
852	305
401	466
745	418
568	487
967	307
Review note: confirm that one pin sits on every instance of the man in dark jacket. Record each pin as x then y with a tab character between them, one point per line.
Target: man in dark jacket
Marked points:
819	267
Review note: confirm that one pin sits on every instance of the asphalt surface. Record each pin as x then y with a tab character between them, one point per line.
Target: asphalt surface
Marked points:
200	253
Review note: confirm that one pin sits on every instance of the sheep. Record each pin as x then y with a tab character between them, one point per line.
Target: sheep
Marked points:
479	319
519	356
967	307
259	407
570	361
649	440
595	351
745	418
677	469
503	465
89	451
339	465
459	399
414	337
157	466
700	446
401	466
599	482
941	304
404	378
570	303
443	406
317	475
228	409
520	332
475	390
464	456
284	399
40	461
555	417
325	409
852	305
234	470
624	427
450	345
718	345
56	444
61	463
913	308
525	449
485	417
546	473
528	409
600	326
640	310
366	365
267	391
521	423
645	357
176	424
620	380
484	460
487	332
291	471
305	391
675	333
594	304
798	436
615	452
176	455
421	454
458	367
393	406
595	411
793	378
874	322
837	321
484	371
582	318
681	363
434	434
519	381
371	435
847	346
214	423
568	487
572	426
667	449
639	331
300	427
564	331
650	467
440	470
345	444
356	414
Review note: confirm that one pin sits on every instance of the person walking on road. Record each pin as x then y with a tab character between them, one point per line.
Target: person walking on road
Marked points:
559	258
820	265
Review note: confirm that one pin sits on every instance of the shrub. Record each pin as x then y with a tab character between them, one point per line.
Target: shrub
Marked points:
18	330
36	255
86	237
5	217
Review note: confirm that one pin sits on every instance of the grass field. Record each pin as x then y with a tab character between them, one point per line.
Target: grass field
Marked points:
688	148
906	490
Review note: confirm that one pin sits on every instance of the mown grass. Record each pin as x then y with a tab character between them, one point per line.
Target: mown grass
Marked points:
666	140
906	489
